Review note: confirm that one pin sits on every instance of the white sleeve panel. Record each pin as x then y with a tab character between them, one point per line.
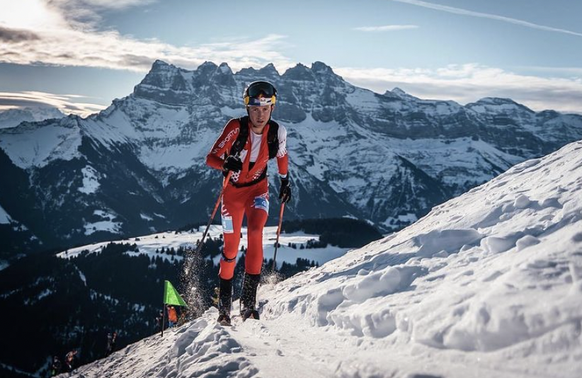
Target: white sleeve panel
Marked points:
282	136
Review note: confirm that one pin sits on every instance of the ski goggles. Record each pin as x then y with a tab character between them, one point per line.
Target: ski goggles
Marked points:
260	101
260	93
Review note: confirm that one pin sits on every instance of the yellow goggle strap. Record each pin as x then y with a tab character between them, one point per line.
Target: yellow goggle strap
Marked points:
261	101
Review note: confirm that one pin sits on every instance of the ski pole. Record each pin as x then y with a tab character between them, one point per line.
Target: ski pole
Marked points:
224	184
278	233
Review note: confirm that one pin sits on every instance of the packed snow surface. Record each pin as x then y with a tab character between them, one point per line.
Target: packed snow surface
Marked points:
488	284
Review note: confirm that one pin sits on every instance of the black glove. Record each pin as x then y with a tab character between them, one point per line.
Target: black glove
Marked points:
232	163
285	190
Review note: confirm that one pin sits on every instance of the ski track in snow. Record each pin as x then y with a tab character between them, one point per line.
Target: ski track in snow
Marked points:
488	284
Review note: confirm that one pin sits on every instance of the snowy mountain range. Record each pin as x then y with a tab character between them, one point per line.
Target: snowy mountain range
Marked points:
14	117
138	166
488	284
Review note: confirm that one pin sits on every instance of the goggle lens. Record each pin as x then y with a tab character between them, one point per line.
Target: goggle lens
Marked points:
256	89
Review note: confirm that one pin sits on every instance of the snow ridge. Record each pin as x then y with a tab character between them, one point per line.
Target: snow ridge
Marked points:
14	117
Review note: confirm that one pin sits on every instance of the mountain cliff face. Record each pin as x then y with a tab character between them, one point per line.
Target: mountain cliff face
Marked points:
139	165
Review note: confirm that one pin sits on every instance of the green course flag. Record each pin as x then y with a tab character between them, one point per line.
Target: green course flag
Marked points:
171	296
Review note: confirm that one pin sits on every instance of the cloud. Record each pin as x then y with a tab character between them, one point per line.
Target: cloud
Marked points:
113	51
465	12
67	103
84	14
111	4
13	35
467	83
64	33
68	37
385	28
571	71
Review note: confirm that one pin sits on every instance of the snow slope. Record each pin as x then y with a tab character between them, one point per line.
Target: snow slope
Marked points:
4	217
29	145
14	117
488	284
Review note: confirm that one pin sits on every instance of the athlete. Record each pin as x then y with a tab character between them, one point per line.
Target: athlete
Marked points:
244	148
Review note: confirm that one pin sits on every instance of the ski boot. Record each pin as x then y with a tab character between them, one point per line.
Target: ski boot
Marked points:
249	297
224	302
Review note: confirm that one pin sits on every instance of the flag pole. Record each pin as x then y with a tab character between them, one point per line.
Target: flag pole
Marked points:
163	317
164	305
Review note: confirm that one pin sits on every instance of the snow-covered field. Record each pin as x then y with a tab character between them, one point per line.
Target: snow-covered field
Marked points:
148	245
487	285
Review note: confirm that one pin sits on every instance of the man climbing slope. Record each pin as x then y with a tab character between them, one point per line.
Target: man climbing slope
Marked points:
244	148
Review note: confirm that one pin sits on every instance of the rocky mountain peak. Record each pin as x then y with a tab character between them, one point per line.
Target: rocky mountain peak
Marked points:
299	73
496	101
498	105
269	72
398	91
161	69
161	76
207	67
160	65
249	71
217	76
321	68
224	69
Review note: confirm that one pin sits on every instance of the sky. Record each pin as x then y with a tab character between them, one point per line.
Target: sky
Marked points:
79	55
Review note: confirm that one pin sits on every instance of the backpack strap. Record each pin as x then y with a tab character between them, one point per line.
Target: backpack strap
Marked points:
273	139
243	135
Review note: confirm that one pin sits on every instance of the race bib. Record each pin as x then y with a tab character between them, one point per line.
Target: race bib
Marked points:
261	203
227	226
